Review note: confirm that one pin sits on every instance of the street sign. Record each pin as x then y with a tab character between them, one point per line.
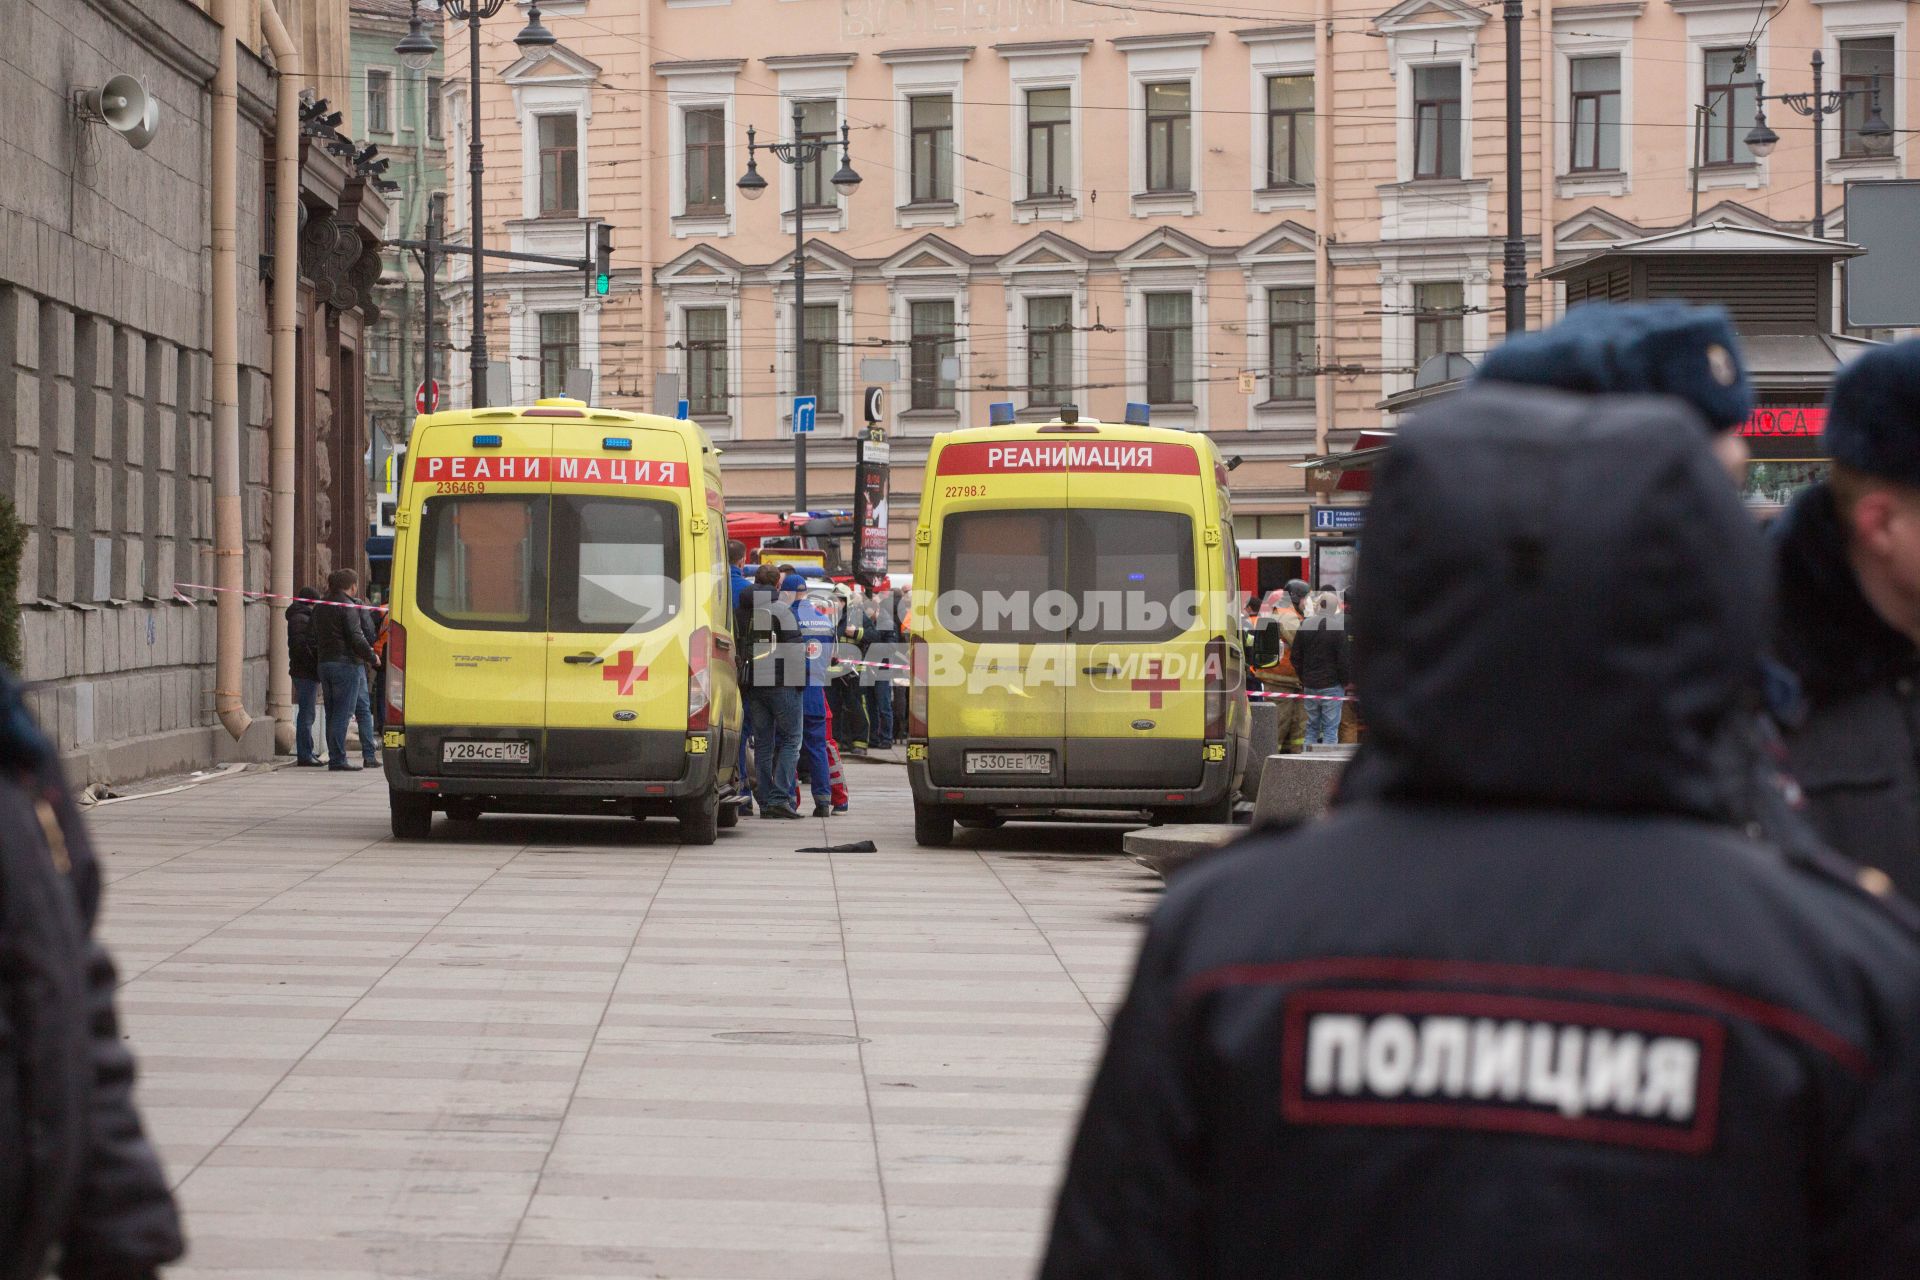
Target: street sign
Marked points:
1883	284
1337	519
666	392
879	369
1248	382
427	398
580	385
803	411
874	404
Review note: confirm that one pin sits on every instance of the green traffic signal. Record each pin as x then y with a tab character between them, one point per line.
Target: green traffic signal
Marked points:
602	284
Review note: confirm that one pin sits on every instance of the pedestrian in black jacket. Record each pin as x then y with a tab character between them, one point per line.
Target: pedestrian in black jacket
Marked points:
345	657
1321	658
81	1191
303	664
1529	1003
1848	551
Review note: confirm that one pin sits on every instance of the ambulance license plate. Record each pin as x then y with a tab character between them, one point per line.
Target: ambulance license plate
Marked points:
1009	762
468	751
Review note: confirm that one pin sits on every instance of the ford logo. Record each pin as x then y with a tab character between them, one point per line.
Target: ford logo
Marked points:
624	716
1143	724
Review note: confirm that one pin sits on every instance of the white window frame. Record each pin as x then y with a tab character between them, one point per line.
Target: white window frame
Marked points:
1159	60
1396	304
1714	25
1264	265
906	292
823	287
1864	20
393	122
919	75
1142	276
700	85
1594	33
1049	283
685	298
1288	53
525	305
810	80
1415	37
1053	65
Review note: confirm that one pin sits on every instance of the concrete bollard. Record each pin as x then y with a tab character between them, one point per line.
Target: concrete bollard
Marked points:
1265	741
1296	788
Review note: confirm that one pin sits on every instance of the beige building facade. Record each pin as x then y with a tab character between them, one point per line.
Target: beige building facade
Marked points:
1262	226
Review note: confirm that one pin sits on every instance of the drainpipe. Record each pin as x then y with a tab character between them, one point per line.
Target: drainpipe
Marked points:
286	292
229	547
1323	221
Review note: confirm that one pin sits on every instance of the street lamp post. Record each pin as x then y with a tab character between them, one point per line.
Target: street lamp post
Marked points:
798	154
1817	106
1514	282
417	44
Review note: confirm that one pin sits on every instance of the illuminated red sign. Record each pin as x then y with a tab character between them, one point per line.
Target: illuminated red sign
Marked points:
1795	422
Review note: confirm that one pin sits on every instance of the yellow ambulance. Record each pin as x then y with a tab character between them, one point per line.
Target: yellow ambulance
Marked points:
561	636
1077	645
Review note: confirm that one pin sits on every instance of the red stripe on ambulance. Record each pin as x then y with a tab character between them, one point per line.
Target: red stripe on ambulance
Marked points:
561	470
1014	457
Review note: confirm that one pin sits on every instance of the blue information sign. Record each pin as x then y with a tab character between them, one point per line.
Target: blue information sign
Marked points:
803	411
1338	519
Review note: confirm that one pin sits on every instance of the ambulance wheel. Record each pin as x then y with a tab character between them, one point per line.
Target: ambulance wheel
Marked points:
932	826
411	815
984	822
699	818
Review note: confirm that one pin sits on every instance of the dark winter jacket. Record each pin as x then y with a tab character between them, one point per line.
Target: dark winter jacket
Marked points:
772	652
1320	653
1854	742
78	1178
339	635
1528	1003
302	663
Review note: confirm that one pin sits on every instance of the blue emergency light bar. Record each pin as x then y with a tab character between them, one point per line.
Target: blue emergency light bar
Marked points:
1139	415
1000	413
616	442
486	442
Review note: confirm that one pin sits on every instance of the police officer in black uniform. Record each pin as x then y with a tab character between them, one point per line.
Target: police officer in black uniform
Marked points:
1529	1002
1849	563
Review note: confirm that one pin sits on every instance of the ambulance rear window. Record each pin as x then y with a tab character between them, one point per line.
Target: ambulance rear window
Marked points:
616	563
1086	575
483	562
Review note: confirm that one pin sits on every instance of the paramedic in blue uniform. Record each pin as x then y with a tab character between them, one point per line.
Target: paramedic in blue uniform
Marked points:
1530	1001
817	632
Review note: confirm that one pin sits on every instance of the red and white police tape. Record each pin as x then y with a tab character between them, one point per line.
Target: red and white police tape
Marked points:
269	595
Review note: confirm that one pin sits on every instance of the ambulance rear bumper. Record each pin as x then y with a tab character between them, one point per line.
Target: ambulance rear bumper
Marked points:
699	768
1216	780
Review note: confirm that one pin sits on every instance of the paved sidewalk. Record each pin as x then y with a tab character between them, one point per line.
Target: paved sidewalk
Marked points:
556	1049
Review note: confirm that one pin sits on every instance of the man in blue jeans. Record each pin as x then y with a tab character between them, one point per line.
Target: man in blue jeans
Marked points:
776	676
304	667
340	645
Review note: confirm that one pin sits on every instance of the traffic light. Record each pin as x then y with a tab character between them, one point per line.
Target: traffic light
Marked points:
602	258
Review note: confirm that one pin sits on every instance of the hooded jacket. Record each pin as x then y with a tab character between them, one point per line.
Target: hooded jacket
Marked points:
1528	1003
303	663
78	1178
1853	743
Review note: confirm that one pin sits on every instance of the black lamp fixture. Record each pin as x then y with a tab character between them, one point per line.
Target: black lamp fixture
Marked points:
416	48
751	184
845	179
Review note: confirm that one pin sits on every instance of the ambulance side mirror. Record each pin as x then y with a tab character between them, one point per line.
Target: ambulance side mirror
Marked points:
1262	644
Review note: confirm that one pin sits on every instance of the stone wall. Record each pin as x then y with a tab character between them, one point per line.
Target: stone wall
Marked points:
106	380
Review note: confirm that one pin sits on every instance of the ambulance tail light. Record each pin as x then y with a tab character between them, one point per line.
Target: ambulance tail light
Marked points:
396	694
699	680
917	690
1216	688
